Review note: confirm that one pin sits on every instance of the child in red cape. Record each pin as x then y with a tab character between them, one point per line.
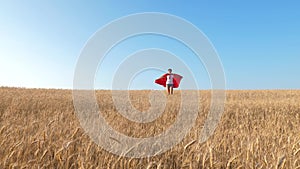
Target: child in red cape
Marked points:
169	80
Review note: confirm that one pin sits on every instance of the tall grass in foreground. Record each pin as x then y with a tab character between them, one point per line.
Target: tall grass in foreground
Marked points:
259	129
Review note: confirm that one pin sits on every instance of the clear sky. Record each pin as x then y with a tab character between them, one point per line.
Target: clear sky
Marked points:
257	41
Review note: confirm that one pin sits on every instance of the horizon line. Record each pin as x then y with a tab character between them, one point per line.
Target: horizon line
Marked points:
107	89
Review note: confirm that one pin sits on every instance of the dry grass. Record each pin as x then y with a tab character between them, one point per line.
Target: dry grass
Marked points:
259	129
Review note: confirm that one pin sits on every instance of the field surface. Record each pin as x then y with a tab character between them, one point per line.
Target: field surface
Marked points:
259	129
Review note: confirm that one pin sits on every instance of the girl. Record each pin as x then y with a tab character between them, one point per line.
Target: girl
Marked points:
169	82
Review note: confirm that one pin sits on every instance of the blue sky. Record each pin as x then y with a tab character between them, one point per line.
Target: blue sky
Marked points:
258	42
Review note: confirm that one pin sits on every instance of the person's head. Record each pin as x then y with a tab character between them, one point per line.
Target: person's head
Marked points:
170	70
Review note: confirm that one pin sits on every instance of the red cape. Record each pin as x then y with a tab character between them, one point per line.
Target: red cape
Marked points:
162	80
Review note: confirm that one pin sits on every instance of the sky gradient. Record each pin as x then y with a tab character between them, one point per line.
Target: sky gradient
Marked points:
258	42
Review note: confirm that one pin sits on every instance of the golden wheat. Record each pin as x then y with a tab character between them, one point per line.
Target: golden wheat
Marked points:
259	129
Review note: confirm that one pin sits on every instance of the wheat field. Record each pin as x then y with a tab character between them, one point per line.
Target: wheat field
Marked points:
258	129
